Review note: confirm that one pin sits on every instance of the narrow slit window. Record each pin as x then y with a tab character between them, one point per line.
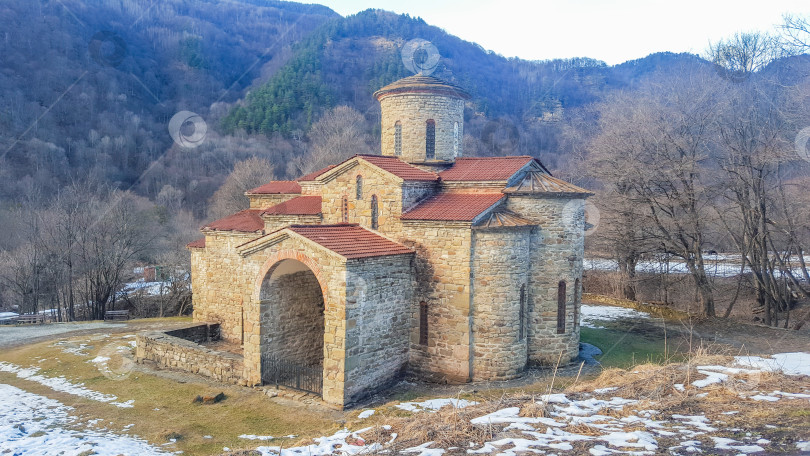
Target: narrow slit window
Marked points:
359	190
455	140
374	210
561	307
423	323
398	138
522	312
577	299
345	209
430	139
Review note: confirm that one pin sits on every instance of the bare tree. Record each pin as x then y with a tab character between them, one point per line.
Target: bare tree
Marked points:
336	136
796	33
246	174
745	53
654	145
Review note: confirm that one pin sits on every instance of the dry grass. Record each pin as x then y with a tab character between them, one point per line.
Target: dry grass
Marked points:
164	407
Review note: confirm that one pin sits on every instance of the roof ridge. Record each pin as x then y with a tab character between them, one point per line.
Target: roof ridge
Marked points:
333	225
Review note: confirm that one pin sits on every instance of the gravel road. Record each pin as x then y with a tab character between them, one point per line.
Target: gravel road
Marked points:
18	335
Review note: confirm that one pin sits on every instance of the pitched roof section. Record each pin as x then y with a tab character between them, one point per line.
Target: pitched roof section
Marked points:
485	168
313	176
198	244
276	187
350	240
453	206
399	168
502	218
419	83
247	221
300	205
541	183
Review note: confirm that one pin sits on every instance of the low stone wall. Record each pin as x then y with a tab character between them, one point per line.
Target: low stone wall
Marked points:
179	349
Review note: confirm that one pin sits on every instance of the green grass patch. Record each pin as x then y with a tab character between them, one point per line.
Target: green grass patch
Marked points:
622	347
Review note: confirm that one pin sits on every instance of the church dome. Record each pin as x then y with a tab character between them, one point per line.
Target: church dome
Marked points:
419	83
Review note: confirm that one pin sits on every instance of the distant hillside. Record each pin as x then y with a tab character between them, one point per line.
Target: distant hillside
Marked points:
346	59
260	72
65	110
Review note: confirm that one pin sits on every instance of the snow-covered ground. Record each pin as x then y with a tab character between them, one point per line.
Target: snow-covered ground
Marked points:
608	424
592	315
31	424
148	288
61	384
716	265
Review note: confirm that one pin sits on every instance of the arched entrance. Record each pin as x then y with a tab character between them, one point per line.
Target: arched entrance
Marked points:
292	327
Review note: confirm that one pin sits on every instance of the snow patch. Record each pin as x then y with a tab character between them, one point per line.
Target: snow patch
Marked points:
432	405
61	384
36	425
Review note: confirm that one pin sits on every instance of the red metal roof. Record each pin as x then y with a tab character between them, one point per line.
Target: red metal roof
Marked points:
484	168
275	187
350	240
198	244
312	176
399	168
247	221
300	205
453	206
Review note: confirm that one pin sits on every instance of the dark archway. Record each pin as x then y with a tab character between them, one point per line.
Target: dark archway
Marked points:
292	327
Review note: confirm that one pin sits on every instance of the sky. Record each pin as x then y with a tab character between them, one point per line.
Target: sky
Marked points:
613	31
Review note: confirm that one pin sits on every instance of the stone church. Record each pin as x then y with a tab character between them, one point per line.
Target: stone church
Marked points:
417	260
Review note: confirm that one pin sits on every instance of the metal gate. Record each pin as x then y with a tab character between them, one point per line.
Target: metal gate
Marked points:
277	371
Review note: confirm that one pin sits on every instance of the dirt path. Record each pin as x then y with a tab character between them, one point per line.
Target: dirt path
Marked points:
15	336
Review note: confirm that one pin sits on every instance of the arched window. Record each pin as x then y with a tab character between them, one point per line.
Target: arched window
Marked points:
374	211
455	139
344	209
522	312
359	194
423	323
430	139
577	298
398	138
561	307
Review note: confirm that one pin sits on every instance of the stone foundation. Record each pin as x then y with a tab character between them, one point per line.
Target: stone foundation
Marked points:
180	349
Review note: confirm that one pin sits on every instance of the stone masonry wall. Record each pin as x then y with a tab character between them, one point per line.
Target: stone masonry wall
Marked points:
227	291
500	269
442	280
386	187
277	222
556	254
218	285
265	201
415	192
412	111
177	353
292	318
379	298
